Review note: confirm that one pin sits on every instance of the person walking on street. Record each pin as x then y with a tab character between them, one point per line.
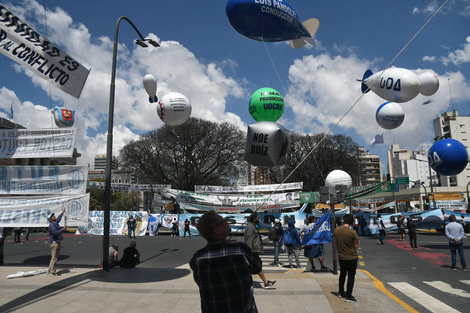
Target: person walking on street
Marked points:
18	234
55	237
412	233
346	241
174	227
222	270
131	225
315	251
455	233
381	228
277	233
186	228
252	239
401	227
292	242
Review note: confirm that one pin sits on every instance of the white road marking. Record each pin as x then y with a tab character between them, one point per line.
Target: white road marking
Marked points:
442	286
430	303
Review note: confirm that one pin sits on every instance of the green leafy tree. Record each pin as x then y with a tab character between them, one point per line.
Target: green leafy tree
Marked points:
198	152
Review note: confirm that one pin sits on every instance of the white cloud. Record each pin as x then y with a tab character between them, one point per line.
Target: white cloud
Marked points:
456	57
324	88
174	66
430	8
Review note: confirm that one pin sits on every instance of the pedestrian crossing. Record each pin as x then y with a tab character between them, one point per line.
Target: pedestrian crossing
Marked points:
429	302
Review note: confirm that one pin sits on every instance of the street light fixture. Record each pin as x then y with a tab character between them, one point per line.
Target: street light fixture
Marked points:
109	144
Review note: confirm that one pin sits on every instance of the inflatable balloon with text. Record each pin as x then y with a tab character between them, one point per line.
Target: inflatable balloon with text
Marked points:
448	157
174	109
390	115
338	177
266	144
266	104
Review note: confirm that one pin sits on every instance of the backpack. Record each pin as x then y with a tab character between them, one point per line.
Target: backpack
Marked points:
272	234
288	240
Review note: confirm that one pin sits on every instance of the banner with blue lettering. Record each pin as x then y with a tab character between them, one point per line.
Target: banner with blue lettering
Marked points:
37	143
43	180
23	44
34	211
319	233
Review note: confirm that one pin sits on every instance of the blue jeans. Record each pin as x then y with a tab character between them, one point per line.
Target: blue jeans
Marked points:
454	247
131	232
382	235
277	250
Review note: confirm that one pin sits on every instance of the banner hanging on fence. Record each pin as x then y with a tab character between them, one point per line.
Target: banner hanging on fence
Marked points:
37	143
23	44
118	223
42	180
250	188
34	211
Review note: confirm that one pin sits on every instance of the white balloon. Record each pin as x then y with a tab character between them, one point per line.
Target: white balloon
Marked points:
390	115
174	109
338	177
429	84
394	84
150	85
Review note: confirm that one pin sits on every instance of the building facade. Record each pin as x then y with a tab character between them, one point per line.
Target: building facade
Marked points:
451	125
370	167
413	164
100	163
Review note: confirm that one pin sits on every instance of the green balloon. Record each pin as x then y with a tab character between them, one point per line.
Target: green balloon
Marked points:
266	104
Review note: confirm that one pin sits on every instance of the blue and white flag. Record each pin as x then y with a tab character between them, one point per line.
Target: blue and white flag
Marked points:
319	233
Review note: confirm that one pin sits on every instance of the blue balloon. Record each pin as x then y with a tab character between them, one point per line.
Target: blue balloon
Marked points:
269	21
448	157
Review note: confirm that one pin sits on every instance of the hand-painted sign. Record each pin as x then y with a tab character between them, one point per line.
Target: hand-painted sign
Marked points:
23	44
37	143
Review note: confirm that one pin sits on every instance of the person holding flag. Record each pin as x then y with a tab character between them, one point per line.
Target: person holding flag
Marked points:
313	240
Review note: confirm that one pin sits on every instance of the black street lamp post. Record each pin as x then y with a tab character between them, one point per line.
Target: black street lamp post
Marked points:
109	148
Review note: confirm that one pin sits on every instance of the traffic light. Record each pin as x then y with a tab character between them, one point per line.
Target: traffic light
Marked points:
133	180
426	203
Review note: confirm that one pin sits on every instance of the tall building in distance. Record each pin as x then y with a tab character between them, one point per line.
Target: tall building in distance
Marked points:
258	176
100	163
370	167
451	125
413	164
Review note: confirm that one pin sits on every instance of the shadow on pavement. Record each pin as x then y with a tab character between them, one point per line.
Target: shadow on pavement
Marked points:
115	275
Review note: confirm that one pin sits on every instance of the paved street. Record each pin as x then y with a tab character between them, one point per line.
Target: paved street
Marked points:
391	278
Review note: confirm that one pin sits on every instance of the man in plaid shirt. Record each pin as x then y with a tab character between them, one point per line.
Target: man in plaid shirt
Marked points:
223	270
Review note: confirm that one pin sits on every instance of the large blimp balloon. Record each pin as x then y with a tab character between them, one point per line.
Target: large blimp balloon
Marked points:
269	21
63	117
266	104
266	144
429	84
390	115
338	177
150	85
174	109
448	157
395	84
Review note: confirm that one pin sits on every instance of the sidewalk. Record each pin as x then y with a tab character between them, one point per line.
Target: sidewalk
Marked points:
173	290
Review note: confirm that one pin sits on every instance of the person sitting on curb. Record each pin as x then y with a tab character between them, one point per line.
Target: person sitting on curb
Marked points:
130	257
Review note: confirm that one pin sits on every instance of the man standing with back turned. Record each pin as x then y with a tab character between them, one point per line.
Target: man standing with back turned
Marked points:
223	270
346	241
455	233
55	237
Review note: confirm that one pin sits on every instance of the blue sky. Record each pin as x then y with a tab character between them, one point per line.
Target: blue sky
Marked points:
202	57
